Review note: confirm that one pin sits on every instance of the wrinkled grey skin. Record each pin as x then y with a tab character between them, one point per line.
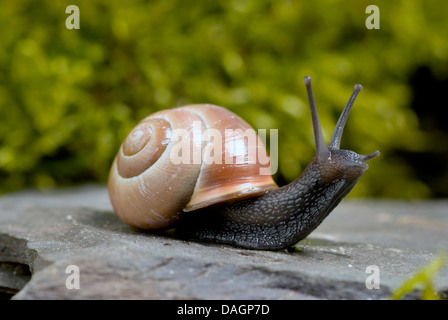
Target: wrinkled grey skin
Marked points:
281	217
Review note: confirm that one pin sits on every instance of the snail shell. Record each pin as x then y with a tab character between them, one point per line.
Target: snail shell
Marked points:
149	190
153	180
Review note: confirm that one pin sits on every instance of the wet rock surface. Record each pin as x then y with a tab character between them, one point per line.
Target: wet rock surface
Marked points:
44	233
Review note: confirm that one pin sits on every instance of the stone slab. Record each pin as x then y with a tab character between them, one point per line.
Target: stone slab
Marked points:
46	232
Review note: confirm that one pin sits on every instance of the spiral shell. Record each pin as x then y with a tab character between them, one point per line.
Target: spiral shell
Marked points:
149	190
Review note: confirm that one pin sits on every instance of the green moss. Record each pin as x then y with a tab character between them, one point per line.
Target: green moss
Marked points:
69	97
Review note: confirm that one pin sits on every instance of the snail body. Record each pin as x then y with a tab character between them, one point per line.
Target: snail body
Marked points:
230	200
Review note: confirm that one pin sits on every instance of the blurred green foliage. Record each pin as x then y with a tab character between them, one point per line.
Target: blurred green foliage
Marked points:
424	281
69	97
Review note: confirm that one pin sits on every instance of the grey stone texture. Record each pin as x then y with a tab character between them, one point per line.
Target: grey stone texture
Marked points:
42	233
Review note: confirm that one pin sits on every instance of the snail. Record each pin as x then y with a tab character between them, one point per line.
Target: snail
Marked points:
226	202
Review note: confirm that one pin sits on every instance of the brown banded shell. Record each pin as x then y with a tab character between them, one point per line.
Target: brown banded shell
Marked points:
150	188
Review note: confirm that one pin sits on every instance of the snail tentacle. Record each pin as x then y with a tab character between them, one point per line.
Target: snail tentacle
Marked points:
230	203
282	217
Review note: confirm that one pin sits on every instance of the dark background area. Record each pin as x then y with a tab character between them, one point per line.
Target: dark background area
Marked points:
430	105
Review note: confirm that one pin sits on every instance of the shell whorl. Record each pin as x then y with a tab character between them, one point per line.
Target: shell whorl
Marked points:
149	191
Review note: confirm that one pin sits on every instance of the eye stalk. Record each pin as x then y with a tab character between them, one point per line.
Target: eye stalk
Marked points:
335	141
322	151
